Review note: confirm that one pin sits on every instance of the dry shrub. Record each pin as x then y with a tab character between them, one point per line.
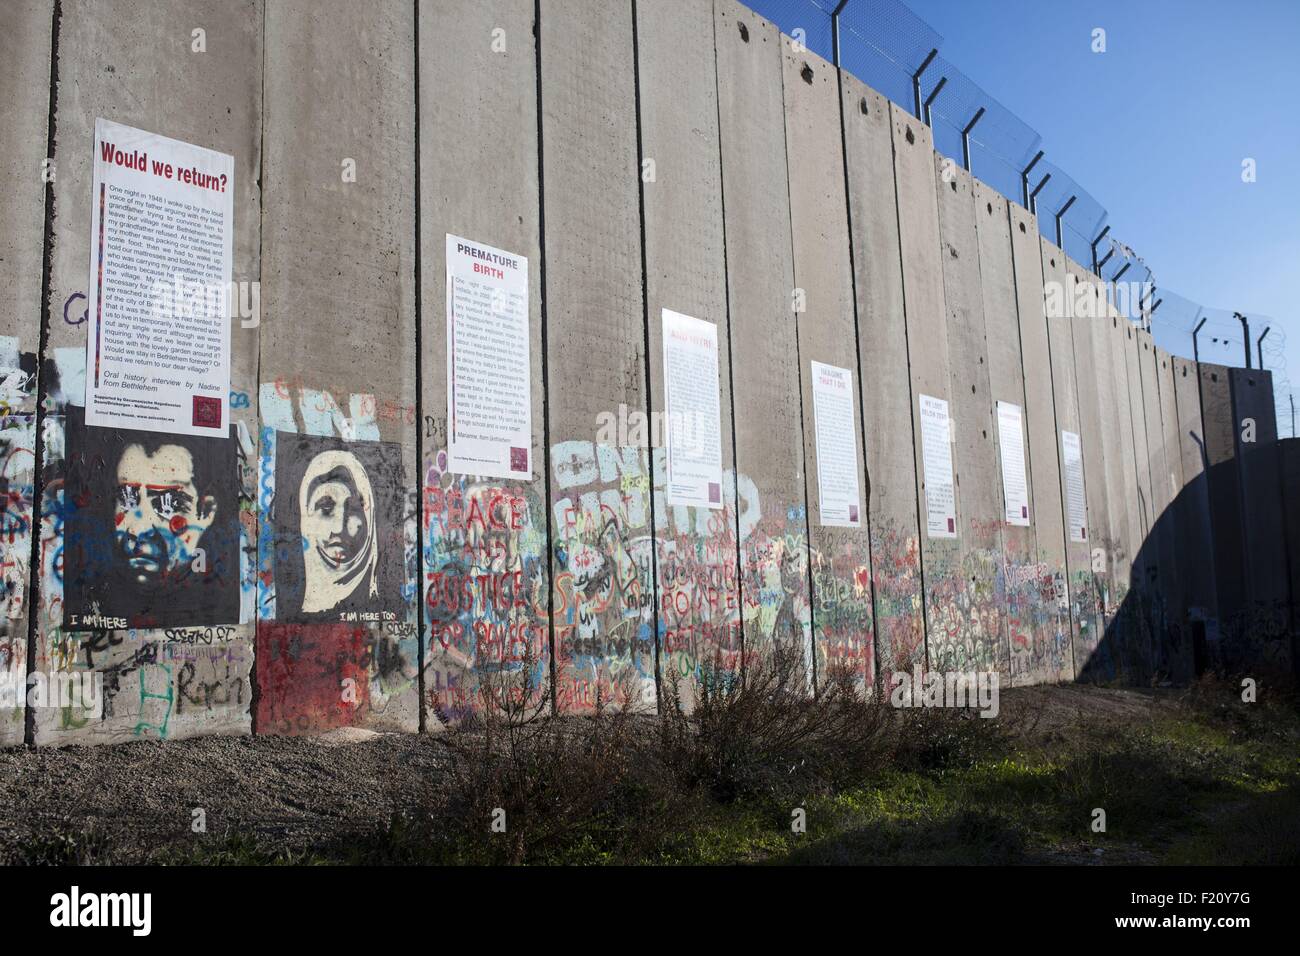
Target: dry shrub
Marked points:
763	734
563	788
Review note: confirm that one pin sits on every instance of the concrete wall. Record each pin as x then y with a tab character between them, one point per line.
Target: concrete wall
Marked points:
640	157
350	371
1024	583
883	362
1178	640
772	514
923	292
1263	628
175	682
474	641
1085	611
1195	535
696	587
1048	656
973	602
602	547
840	557
1086	329
25	45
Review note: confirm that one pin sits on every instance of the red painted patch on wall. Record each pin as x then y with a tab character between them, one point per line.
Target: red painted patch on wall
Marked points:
302	670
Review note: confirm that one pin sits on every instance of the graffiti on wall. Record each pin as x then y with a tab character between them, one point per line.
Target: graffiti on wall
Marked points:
697	592
17	464
109	497
336	566
151	531
484	591
602	586
339	545
774	590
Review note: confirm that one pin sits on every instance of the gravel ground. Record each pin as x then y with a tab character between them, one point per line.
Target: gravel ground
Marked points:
294	792
301	793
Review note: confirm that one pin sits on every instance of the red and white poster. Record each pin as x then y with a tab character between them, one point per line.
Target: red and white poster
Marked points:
161	247
489	365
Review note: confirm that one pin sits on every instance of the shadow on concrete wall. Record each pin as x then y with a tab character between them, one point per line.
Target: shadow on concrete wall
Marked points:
1172	627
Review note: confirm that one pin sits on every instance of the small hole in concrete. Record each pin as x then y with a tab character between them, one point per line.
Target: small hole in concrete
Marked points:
1214	376
863	105
910	137
972	389
953	184
807	73
744	32
985	432
1022	227
1114	322
1053	261
990	208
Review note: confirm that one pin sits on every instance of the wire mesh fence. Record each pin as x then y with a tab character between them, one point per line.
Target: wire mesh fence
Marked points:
892	50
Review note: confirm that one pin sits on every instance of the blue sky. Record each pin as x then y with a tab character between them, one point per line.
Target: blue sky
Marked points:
1156	129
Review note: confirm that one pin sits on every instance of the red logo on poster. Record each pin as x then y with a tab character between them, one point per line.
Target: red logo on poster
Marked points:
207	412
952	525
518	459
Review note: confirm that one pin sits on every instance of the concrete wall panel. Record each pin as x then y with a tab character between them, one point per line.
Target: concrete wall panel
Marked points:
772	514
1179	642
1131	642
25	40
974	629
1224	488
1085	612
1048	656
475	640
918	220
602	545
338	363
839	556
135	65
1092	653
696	588
886	388
1029	609
1160	569
1142	564
1195	535
1263	629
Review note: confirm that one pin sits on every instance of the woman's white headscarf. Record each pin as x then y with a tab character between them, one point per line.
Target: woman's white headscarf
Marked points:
326	585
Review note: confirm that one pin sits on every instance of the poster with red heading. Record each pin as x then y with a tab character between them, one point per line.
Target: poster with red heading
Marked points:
161	249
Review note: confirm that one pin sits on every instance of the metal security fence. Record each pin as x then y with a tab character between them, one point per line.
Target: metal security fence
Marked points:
895	52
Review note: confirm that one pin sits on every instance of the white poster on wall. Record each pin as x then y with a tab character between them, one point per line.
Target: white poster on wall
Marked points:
936	454
489	362
692	400
838	496
1011	442
1076	511
161	245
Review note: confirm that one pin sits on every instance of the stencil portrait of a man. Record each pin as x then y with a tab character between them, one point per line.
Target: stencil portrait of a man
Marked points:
337	515
151	531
